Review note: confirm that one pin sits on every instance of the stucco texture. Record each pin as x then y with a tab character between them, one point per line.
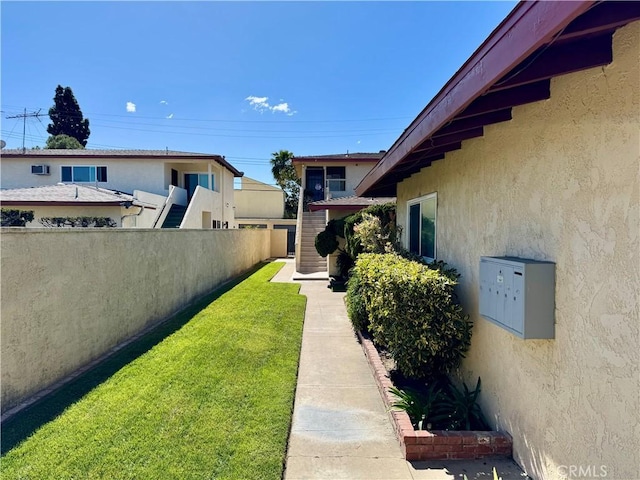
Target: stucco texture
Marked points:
68	296
559	182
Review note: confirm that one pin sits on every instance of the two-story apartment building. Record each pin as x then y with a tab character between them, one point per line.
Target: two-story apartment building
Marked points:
325	178
186	190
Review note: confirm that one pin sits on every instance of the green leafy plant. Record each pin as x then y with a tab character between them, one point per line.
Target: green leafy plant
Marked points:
412	310
419	405
16	218
387	215
441	406
371	235
460	408
74	222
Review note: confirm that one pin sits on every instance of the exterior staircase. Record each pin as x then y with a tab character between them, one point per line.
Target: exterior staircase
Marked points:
174	217
312	224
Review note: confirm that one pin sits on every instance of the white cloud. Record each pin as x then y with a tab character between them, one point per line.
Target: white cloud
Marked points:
261	104
131	107
169	116
258	103
281	107
164	102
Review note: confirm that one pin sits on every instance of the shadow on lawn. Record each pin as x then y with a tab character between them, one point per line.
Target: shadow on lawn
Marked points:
22	425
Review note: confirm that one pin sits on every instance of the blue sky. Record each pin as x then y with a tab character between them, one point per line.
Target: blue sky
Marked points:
240	79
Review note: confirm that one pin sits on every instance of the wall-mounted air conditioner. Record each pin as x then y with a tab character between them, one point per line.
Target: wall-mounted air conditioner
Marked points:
40	169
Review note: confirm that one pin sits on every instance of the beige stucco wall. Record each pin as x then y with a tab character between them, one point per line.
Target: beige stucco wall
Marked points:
278	243
68	296
559	182
258	200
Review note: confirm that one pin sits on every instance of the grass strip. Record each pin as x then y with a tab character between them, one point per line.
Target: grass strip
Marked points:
211	400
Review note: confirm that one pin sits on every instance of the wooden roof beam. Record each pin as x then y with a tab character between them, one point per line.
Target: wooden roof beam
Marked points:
561	59
604	16
521	95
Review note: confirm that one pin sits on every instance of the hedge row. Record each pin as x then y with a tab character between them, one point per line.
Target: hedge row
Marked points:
411	310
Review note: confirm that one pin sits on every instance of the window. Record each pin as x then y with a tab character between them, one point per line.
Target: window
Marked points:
193	180
336	179
422	226
83	174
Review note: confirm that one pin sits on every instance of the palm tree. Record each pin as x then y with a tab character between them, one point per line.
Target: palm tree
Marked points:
285	176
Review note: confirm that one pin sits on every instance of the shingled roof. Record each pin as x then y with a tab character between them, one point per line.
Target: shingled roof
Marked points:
349	203
68	194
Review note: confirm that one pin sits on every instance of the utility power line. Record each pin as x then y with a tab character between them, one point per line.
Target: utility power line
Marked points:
24	117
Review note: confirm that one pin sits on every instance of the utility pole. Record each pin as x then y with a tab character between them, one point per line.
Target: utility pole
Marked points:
24	117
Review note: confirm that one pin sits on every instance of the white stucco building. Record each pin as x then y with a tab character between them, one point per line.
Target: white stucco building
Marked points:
180	189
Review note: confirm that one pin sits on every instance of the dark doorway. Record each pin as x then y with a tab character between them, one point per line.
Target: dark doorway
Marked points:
315	183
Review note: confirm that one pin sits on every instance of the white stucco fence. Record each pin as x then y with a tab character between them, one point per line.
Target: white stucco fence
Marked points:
68	296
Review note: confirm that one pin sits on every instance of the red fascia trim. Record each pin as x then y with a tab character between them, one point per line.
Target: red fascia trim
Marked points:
529	26
302	160
315	208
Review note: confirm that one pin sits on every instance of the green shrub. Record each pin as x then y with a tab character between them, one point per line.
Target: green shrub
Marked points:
336	226
387	215
356	309
326	243
84	222
344	263
371	235
413	312
16	218
441	406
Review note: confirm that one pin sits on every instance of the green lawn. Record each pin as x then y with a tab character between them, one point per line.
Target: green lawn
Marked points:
212	400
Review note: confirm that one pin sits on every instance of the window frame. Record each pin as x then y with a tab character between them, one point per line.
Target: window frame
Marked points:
211	179
418	201
342	180
93	173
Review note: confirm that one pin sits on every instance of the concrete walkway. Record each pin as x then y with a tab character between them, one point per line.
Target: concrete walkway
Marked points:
340	427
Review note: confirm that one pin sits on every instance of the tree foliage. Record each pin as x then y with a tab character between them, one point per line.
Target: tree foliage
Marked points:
285	176
57	142
16	218
66	117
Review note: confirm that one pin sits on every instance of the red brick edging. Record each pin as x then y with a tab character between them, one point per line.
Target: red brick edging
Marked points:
436	444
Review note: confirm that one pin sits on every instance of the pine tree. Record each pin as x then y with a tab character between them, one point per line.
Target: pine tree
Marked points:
66	117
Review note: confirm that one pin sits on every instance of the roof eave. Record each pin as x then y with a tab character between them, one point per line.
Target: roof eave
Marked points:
528	26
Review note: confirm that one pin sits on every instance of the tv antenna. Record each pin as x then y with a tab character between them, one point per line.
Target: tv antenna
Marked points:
24	117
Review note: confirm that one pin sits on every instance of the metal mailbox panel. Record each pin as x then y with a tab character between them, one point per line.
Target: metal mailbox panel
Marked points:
518	295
